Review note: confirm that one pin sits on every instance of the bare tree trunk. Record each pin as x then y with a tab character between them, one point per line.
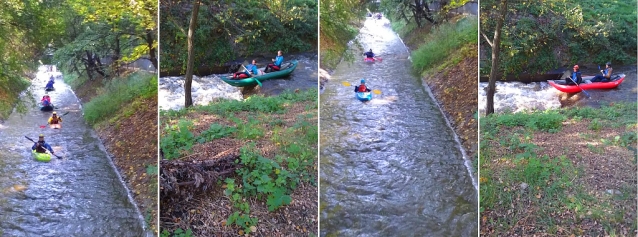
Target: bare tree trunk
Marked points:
189	64
150	39
496	49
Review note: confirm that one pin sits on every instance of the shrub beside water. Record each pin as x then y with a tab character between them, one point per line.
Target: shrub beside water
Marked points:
117	92
443	41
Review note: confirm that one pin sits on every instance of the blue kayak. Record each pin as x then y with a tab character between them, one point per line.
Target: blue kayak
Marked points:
364	96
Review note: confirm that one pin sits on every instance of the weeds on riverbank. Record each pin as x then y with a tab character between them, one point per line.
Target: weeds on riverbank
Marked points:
117	92
561	172
10	89
276	138
444	39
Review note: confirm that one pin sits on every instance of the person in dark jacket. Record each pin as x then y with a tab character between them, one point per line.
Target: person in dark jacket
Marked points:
575	77
41	146
369	54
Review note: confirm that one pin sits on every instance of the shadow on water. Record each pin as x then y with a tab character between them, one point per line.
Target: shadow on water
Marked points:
79	195
390	167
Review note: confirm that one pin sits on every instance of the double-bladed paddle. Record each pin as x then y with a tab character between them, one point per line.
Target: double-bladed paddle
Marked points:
375	91
59	157
44	126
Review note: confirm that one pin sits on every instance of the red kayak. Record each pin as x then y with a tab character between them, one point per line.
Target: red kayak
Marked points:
370	60
615	81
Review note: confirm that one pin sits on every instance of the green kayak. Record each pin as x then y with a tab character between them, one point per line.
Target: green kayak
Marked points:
44	157
286	69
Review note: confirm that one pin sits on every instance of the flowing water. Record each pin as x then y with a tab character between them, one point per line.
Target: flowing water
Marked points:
391	166
518	96
206	89
78	195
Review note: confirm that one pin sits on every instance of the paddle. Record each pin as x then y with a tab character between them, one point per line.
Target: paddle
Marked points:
375	91
59	157
586	94
252	76
44	126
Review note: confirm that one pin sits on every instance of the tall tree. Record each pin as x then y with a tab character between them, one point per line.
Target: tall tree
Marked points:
496	47
189	65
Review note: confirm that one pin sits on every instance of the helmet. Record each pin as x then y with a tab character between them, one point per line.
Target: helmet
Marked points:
608	64
54	112
370	50
363	81
576	66
41	135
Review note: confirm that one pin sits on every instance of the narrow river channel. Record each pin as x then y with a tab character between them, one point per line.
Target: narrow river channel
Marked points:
78	195
391	166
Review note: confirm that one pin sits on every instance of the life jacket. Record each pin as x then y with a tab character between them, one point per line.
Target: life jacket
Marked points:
362	88
55	120
39	148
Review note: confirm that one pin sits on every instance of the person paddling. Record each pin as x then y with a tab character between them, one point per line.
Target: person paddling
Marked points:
50	84
54	119
250	70
362	87
276	65
46	100
575	77
41	146
606	74
369	54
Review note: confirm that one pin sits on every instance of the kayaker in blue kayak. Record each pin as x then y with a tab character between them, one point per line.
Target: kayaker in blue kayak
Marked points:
575	77
362	87
369	54
41	146
606	74
249	71
276	65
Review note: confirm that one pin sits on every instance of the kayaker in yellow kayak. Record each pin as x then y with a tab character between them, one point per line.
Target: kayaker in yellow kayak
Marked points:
41	146
54	119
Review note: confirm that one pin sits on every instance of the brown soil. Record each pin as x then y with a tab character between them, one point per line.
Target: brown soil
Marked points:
455	89
607	167
204	209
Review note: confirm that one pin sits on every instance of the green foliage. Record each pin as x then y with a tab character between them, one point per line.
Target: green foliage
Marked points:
215	131
176	139
443	40
178	233
250	129
151	169
227	29
541	35
338	20
118	92
549	121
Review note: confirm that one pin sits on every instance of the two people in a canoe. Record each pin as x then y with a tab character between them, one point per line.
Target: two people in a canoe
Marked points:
41	146
362	87
54	119
250	70
369	54
276	65
606	74
575	77
46	100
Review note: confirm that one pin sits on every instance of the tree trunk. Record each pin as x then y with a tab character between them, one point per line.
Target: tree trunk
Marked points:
496	50
189	63
150	40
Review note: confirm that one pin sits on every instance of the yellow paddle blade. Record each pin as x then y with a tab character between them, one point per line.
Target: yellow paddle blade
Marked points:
345	83
377	92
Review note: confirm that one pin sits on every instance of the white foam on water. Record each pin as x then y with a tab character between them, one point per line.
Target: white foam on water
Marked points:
203	90
517	96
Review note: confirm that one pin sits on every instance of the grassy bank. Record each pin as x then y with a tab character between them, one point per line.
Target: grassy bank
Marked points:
559	172
123	111
272	191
